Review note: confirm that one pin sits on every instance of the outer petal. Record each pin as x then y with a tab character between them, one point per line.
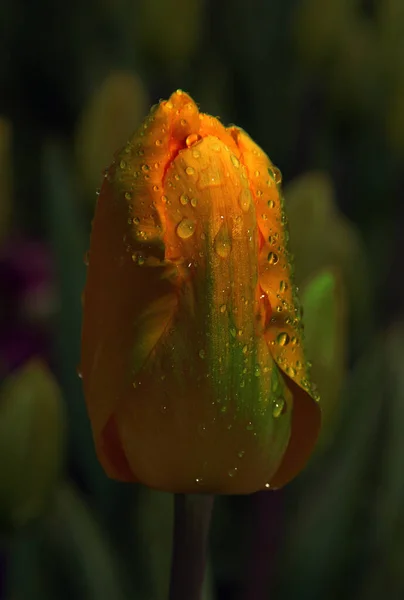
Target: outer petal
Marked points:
285	330
179	337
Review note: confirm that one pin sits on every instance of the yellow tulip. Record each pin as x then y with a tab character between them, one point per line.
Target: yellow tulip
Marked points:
192	361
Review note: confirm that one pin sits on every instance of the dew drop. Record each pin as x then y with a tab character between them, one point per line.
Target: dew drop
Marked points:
135	220
158	142
186	228
245	199
184	199
194	202
233	472
196	154
128	195
222	242
241	453
283	286
278	406
199	481
276	174
272	258
215	146
235	160
189	170
267	486
201	353
249	426
283	339
138	259
290	371
223	308
79	372
202	429
271	204
257	371
245	349
163	409
122	164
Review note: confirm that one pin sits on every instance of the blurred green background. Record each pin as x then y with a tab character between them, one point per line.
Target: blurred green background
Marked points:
319	84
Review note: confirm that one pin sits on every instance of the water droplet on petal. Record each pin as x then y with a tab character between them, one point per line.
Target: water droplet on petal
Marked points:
201	353
189	170
233	472
184	199
290	371
271	204
241	453
272	258
235	160
222	242
283	286
278	406
245	199
186	228
283	339
194	202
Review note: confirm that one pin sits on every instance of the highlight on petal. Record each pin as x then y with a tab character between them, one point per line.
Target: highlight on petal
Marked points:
192	360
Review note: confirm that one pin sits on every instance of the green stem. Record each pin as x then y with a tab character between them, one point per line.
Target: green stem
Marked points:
192	514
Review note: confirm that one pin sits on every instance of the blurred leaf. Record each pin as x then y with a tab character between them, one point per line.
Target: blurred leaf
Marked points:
328	515
322	237
113	113
323	300
32	432
68	238
69	556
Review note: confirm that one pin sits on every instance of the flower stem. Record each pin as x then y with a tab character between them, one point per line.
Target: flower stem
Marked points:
192	514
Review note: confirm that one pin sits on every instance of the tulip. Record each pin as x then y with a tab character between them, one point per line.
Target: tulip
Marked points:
193	367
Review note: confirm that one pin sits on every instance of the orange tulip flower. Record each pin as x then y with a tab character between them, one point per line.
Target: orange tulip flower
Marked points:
192	361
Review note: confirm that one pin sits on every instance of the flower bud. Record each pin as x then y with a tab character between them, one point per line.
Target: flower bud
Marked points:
31	442
192	361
